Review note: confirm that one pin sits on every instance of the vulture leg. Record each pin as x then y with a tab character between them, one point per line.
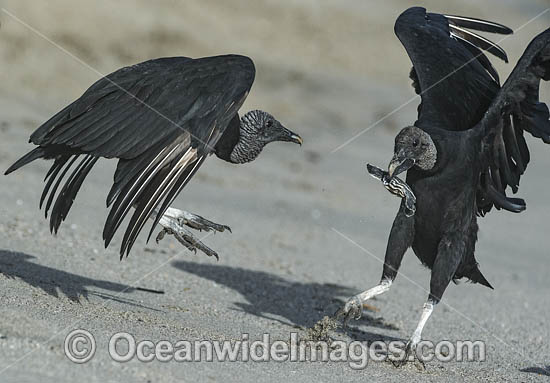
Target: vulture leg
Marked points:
173	222
193	221
401	238
410	348
450	251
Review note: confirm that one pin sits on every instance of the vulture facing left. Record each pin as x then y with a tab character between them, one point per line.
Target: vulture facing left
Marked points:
161	119
465	150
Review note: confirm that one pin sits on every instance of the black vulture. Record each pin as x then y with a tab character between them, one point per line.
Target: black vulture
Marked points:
161	119
466	149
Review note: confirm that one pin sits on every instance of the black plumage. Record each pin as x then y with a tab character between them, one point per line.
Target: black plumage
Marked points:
160	119
466	149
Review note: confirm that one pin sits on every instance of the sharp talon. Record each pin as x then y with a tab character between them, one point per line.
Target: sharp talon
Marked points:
160	235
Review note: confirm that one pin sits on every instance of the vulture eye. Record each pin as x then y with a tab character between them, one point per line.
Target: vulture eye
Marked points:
269	123
415	142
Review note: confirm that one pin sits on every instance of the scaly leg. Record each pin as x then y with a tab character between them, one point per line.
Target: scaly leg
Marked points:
410	347
449	254
173	222
401	237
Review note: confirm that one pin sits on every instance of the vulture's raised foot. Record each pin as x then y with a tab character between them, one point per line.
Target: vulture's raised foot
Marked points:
352	309
194	221
174	221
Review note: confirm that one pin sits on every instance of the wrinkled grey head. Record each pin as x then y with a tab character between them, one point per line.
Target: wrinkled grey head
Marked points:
258	129
413	147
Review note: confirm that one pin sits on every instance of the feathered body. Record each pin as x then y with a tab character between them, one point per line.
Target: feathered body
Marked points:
475	127
161	119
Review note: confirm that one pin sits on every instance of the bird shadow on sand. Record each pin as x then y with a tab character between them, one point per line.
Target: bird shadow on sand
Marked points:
537	370
295	304
53	281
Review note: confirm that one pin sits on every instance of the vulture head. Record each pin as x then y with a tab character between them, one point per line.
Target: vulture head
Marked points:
413	147
257	129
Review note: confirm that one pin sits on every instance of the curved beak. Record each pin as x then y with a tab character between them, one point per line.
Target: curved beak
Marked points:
287	135
399	163
296	139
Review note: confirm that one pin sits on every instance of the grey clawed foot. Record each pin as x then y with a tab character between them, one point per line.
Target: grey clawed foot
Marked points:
193	221
174	221
187	240
352	309
199	223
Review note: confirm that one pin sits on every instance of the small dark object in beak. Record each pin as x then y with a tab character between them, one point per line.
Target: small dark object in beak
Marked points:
397	187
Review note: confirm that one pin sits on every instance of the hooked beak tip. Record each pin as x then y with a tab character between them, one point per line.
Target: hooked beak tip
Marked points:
297	139
398	166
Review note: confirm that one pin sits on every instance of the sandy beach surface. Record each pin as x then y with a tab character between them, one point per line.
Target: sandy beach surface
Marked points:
309	225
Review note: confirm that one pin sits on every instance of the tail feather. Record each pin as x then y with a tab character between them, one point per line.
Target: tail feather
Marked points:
45	152
34	154
476	276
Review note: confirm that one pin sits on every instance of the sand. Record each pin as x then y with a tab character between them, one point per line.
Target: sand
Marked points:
309	224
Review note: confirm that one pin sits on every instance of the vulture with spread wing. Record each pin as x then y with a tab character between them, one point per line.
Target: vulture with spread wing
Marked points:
160	119
466	150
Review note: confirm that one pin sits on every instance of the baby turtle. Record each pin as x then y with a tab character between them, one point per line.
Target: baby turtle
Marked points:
395	186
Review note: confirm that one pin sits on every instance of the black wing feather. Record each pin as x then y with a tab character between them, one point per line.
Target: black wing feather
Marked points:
479	24
135	186
515	109
56	186
51	176
483	60
67	195
479	41
455	79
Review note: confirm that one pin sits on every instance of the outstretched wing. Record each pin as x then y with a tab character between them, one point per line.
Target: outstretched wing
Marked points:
455	80
160	118
515	109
